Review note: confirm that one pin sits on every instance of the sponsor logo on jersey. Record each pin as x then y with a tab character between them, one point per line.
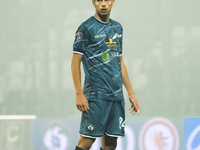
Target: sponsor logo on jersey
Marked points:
55	138
111	45
105	56
116	36
115	54
159	134
100	36
192	133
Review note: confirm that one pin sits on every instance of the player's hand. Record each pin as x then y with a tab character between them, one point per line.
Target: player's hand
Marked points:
135	106
82	103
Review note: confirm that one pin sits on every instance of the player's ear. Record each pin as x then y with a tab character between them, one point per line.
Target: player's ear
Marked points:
93	2
113	3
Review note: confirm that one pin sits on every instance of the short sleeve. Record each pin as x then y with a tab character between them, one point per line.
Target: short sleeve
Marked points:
81	40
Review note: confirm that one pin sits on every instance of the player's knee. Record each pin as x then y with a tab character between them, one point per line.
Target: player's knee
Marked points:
111	145
85	143
111	148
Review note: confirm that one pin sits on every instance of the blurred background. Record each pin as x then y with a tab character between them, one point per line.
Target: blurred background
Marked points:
161	46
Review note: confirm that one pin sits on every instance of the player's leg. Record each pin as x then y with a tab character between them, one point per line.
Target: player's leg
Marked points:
84	143
115	126
108	143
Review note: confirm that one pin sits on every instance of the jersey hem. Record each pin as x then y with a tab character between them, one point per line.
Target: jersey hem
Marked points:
111	100
114	135
93	137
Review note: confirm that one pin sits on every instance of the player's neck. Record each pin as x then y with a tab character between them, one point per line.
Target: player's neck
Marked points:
102	18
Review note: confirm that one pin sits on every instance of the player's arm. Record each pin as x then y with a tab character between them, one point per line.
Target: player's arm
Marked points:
81	101
135	107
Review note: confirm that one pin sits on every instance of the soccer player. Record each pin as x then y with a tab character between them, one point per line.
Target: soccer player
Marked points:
98	45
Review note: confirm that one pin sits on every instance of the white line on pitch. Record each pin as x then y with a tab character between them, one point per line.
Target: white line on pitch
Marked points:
18	117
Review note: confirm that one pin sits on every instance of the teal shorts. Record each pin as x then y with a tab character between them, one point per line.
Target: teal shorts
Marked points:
103	117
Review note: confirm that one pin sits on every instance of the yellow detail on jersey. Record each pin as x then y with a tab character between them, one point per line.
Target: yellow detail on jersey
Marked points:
110	42
111	45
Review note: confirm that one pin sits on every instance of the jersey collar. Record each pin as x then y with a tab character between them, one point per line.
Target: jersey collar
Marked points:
101	21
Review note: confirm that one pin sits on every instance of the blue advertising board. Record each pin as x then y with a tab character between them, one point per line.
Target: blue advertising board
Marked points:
192	133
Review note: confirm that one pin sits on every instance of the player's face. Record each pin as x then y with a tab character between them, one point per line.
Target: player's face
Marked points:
103	7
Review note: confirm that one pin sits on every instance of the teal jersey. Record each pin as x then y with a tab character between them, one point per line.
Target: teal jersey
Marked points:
101	46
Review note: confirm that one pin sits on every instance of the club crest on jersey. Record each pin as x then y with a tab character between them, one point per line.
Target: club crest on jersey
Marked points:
79	35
